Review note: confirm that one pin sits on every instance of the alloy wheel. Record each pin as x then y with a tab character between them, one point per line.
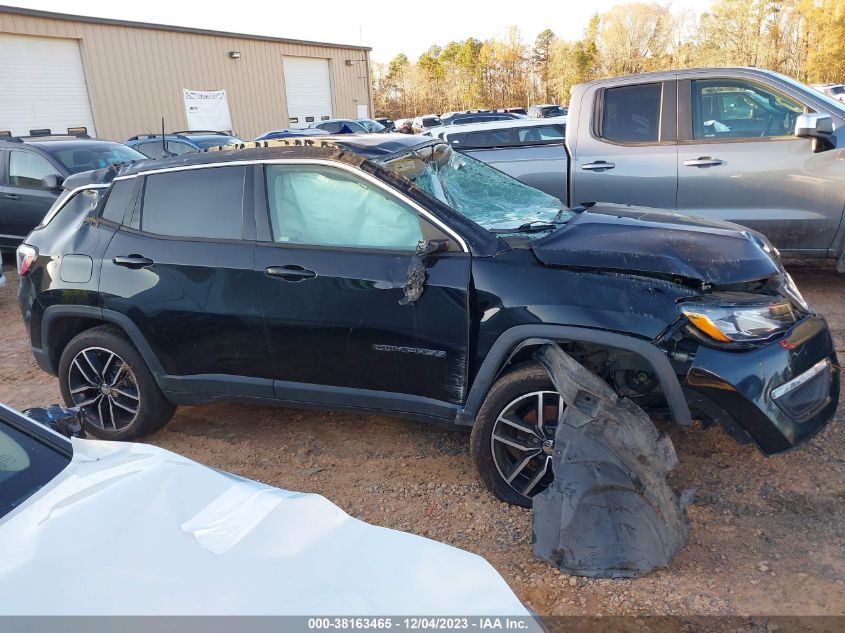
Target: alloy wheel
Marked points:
523	440
104	387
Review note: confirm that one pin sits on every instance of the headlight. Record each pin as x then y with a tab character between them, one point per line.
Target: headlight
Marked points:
741	322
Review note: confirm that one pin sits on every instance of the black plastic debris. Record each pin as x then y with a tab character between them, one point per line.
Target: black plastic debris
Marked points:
609	512
67	422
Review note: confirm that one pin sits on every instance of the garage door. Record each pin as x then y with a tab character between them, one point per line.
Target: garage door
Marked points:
308	86
43	85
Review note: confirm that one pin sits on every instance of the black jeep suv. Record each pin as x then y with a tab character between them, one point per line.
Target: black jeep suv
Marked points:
388	273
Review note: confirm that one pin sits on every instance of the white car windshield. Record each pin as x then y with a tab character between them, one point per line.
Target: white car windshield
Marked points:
483	194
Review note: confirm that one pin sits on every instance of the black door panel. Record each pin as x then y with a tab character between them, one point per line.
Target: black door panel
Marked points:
345	327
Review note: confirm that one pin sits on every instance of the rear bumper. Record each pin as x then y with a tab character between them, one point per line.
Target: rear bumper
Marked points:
782	393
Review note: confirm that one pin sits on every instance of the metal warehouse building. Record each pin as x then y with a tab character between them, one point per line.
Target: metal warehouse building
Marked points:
120	78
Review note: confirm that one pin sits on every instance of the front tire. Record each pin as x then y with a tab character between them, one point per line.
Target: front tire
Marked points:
513	435
102	373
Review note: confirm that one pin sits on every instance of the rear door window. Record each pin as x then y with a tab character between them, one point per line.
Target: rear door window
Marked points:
196	203
153	149
487	138
631	114
541	134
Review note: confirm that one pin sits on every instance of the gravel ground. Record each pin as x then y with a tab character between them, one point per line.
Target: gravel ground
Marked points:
767	538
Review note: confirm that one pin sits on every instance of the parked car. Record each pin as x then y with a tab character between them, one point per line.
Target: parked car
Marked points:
372	126
33	168
745	145
390	273
291	132
423	123
531	150
387	123
192	540
514	110
834	91
546	111
177	143
462	118
340	126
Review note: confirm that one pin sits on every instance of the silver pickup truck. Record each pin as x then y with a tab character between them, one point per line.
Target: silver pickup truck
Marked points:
740	144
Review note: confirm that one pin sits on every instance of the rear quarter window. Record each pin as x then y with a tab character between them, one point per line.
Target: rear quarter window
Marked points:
118	200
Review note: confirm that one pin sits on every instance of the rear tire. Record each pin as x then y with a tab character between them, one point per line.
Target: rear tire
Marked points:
102	373
517	396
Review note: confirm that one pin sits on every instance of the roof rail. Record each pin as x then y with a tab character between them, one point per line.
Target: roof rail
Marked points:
296	141
6	135
138	137
201	132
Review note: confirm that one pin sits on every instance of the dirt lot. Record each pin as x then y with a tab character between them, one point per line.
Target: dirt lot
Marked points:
768	534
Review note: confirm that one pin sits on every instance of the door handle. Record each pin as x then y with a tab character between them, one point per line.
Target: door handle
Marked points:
11	196
703	161
599	165
134	262
291	272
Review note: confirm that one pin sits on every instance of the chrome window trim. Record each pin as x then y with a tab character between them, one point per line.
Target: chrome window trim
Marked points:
54	210
315	161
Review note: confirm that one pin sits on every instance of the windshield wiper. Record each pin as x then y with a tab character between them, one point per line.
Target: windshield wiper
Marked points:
529	227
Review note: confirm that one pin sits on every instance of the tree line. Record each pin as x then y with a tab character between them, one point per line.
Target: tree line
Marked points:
801	38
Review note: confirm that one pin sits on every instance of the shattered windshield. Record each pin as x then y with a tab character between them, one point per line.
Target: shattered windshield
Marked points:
485	195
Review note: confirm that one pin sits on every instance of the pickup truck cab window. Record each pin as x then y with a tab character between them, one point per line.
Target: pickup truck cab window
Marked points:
631	114
324	206
738	109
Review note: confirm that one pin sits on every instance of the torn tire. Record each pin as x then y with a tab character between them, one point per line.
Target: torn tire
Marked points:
609	512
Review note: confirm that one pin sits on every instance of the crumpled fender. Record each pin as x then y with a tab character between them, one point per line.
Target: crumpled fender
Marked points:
609	511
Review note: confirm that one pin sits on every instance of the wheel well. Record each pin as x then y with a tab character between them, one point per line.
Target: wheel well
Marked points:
628	373
62	330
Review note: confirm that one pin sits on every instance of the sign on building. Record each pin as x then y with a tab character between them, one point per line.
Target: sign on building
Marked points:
207	110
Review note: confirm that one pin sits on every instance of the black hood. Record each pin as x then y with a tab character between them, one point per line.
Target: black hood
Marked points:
657	243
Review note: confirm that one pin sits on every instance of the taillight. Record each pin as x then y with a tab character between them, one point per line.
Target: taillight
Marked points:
26	256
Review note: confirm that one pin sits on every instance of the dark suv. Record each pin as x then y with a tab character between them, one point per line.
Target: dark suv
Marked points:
32	169
388	273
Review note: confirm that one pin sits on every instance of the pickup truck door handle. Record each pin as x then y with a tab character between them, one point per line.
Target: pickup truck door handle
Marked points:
599	165
291	272
11	196
134	262
703	161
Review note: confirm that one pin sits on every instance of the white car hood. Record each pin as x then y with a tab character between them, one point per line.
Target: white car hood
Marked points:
132	529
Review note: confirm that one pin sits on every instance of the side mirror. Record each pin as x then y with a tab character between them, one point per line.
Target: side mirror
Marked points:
52	182
818	127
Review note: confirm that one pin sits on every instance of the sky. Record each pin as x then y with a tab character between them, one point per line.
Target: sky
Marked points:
387	27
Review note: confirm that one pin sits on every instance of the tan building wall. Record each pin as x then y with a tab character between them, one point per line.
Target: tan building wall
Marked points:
136	73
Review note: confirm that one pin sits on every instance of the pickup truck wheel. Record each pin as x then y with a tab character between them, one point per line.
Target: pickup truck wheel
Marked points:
101	373
513	435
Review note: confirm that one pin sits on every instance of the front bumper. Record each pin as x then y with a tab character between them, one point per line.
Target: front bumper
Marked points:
781	393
